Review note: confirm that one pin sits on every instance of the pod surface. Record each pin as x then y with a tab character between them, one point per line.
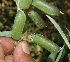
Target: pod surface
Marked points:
18	26
5	33
39	22
46	7
45	43
24	4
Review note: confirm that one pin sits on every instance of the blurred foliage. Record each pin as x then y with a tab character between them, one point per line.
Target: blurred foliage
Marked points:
7	15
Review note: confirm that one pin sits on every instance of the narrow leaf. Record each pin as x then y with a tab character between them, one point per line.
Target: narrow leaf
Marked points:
60	54
60	30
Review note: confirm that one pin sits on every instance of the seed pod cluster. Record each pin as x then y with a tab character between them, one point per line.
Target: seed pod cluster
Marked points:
18	26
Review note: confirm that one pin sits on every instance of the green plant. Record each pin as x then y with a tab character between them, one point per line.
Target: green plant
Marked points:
26	10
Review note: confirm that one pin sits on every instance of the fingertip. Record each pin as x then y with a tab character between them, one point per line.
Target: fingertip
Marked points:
25	47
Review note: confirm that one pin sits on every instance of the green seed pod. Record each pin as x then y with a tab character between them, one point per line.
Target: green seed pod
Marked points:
45	43
36	19
46	7
5	33
18	26
24	4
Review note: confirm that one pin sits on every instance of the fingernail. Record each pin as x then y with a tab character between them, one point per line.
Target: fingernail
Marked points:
25	47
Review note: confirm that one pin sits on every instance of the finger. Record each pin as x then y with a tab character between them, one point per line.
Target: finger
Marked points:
22	53
9	58
7	44
2	60
1	54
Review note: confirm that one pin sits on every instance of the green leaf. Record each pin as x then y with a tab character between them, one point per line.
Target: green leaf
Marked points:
51	57
60	54
60	30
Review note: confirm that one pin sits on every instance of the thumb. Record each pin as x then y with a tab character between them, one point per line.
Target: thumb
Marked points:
22	53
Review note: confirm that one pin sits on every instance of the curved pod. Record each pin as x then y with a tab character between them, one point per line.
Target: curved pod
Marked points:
45	43
46	7
18	26
39	22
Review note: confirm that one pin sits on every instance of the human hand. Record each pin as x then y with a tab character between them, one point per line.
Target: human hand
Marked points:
14	52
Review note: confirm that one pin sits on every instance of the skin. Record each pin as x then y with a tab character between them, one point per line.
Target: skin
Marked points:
14	52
